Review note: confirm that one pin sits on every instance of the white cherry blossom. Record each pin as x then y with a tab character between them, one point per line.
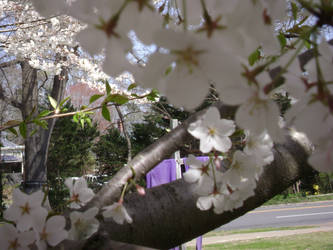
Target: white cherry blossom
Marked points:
242	168
312	118
117	212
25	209
212	131
260	148
257	112
322	157
190	66
79	192
11	239
83	224
50	232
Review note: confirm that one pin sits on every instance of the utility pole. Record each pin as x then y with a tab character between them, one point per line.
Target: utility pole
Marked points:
179	162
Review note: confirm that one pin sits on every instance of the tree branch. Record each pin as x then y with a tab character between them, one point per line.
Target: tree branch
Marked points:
167	215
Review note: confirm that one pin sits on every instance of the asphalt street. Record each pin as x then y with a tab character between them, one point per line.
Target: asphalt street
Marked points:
287	215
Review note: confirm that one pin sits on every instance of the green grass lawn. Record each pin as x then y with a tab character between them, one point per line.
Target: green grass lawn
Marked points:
294	198
313	241
254	230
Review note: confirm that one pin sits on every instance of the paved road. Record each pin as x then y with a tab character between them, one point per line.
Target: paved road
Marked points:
299	214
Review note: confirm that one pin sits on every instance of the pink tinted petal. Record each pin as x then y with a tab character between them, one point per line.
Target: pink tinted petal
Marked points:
86	195
222	144
204	203
26	238
206	144
36	198
80	184
55	223
92	40
19	198
69	183
192	175
12	213
7	232
55	238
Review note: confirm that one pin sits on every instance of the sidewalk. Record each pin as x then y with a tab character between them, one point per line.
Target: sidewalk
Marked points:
260	235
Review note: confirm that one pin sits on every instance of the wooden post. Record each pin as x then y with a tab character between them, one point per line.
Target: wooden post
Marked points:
179	162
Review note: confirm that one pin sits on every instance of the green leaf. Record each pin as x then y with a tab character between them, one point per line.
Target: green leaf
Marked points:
44	113
53	102
41	123
13	130
23	129
153	95
254	57
168	70
88	120
294	10
116	98
63	101
33	132
107	87
132	86
76	118
282	40
82	123
94	98
106	113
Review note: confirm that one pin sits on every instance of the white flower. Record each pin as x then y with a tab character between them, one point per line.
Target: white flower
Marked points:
256	112
242	168
260	147
189	67
212	131
325	61
50	7
117	212
11	239
237	197
312	118
51	232
83	225
79	192
25	209
212	200
322	157
245	29
199	173
198	170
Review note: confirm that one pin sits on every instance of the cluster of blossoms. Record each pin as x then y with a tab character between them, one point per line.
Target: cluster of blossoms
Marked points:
209	42
225	188
32	222
191	54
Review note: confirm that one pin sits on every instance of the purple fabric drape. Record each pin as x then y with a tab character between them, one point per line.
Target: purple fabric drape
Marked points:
165	172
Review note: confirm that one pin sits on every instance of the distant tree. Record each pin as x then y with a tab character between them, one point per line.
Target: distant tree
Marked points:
69	153
111	152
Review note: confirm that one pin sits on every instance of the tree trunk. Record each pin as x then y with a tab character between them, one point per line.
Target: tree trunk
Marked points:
36	146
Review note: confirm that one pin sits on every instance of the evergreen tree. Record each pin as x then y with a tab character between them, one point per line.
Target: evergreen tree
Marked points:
69	154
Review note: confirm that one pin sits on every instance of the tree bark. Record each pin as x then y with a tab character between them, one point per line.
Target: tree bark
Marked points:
36	146
167	215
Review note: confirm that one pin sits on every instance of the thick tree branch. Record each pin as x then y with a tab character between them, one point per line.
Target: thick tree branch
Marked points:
167	215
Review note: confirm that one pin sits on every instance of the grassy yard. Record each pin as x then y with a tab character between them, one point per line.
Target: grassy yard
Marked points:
294	198
314	241
255	230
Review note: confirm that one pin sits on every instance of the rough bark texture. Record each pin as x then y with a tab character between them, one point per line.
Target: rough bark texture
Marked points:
167	215
36	146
